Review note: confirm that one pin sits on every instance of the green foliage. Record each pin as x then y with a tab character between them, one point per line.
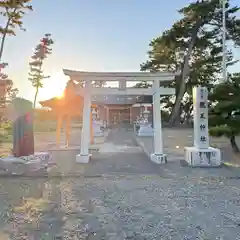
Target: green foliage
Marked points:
219	131
36	74
193	46
143	84
224	115
12	12
165	116
10	92
6	126
6	132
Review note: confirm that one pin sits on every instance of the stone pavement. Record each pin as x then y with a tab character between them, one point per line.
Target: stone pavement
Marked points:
120	194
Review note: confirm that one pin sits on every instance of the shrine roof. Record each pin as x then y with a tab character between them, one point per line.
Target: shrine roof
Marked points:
71	97
103	100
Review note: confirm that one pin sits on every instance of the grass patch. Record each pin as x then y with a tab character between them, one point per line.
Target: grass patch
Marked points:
6	132
45	126
5	138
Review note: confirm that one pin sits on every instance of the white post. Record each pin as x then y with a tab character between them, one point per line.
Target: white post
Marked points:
122	84
108	116
84	155
201	154
157	156
224	48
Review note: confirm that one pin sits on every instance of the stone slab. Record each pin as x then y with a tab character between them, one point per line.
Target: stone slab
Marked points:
209	157
26	165
158	158
83	158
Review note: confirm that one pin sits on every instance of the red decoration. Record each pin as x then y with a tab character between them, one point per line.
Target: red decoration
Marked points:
44	41
28	118
44	45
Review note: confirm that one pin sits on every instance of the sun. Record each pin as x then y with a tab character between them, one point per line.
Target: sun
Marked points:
55	86
60	95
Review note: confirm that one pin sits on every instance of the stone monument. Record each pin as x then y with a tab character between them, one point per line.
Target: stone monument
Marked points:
201	154
23	139
96	124
146	129
24	159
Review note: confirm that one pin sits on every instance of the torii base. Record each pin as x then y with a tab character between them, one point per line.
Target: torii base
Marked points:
83	158
209	157
158	158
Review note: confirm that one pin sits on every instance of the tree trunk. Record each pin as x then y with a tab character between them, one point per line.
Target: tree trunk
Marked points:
35	97
37	87
187	111
4	38
234	145
5	34
185	73
189	115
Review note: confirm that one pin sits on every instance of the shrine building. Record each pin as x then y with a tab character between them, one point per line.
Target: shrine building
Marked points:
110	108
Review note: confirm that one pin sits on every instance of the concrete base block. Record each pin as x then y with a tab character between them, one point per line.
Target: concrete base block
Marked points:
146	131
99	139
209	157
98	134
158	158
83	158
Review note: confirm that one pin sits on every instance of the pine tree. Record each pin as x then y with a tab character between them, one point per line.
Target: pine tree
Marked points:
36	74
224	115
10	92
12	12
193	46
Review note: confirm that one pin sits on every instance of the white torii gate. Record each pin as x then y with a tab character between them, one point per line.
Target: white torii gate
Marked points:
122	77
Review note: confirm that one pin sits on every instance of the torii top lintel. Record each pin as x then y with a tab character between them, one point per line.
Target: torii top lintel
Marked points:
118	76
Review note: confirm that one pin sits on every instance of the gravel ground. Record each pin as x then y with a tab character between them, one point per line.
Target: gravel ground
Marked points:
122	195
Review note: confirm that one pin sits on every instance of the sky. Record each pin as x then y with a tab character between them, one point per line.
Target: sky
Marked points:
89	35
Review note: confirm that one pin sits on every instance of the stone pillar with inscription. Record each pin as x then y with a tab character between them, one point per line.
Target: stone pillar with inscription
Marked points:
201	154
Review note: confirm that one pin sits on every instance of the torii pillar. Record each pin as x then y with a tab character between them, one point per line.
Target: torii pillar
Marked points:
84	155
157	156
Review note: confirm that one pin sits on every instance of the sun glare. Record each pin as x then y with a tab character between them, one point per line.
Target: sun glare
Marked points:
55	86
61	95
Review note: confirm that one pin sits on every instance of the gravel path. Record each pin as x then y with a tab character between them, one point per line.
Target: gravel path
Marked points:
123	196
